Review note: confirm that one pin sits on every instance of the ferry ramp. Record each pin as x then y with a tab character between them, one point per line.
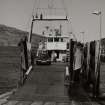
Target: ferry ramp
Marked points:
45	86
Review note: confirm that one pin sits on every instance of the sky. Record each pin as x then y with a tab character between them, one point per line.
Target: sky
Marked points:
18	13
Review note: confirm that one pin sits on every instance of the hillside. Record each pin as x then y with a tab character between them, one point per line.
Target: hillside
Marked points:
10	36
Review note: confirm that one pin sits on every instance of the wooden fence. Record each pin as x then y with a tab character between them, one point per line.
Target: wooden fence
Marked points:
10	68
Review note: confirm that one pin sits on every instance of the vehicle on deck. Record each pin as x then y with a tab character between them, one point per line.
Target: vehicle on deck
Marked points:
43	59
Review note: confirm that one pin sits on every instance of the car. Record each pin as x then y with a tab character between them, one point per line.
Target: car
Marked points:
43	59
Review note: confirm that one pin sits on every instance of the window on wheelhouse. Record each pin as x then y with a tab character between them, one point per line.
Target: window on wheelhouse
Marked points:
56	39
62	40
50	39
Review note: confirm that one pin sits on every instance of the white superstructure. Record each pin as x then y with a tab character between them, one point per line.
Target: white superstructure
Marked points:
56	43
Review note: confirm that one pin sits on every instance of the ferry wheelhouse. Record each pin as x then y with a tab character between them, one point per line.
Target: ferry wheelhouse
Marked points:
56	43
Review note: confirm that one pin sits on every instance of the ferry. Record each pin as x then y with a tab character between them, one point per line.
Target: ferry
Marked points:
56	44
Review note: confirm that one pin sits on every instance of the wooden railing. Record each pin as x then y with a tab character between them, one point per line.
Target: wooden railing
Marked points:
26	59
10	68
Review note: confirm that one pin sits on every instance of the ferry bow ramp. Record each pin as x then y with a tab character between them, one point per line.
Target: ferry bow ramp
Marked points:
46	84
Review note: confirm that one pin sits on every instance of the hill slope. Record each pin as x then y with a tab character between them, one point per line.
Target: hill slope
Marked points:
10	36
